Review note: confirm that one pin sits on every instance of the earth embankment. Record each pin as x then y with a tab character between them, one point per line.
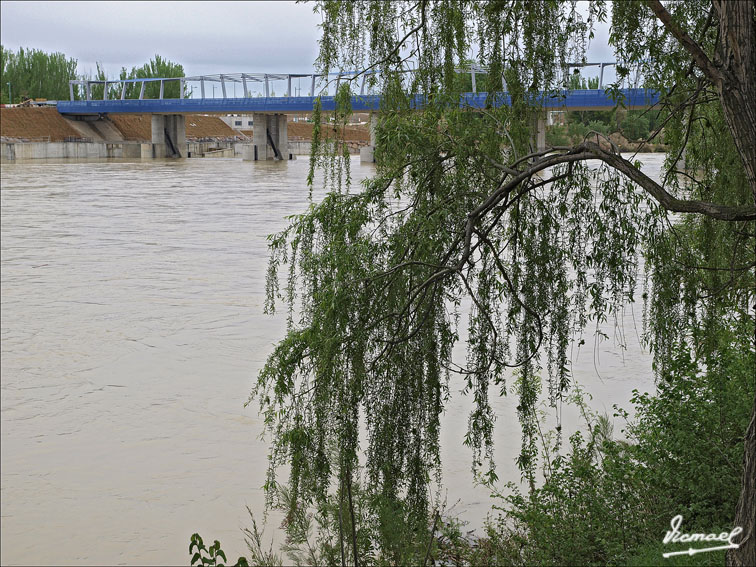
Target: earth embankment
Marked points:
303	131
138	127
34	124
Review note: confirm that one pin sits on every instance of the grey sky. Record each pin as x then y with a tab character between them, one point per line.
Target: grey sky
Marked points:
205	37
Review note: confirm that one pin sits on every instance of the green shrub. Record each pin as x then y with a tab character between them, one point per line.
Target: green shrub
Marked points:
210	556
604	502
635	125
609	502
600	127
557	136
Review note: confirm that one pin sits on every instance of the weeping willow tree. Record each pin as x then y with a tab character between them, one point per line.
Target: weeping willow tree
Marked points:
468	233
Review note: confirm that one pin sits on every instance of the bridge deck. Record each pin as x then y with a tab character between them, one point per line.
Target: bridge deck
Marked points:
567	100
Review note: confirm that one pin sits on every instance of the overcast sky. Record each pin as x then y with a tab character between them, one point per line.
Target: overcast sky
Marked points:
205	37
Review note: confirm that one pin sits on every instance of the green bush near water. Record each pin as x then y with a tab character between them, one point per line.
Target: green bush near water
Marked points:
635	125
610	502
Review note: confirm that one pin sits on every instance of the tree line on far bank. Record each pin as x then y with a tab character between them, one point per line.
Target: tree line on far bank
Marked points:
33	73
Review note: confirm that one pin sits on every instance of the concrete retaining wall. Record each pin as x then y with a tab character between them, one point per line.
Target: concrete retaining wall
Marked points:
300	148
210	149
10	151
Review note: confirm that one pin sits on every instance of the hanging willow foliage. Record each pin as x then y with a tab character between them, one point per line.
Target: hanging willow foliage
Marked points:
463	212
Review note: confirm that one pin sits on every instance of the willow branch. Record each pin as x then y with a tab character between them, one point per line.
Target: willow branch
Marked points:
665	199
702	60
430	542
515	295
590	150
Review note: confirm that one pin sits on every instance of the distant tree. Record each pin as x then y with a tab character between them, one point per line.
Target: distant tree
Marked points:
157	68
33	73
635	125
97	89
577	82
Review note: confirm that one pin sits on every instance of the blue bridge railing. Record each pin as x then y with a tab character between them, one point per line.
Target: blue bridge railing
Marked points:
565	100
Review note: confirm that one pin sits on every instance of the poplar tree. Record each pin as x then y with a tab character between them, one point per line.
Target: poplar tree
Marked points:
159	68
32	73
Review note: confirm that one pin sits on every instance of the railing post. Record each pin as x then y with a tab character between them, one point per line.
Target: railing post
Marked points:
89	90
182	92
162	88
105	91
289	86
601	77
71	89
223	85
362	88
141	91
474	85
244	82
267	87
123	90
202	86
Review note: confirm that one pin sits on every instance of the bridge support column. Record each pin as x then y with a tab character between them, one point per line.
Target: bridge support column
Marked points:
168	135
538	134
270	137
158	136
367	153
175	124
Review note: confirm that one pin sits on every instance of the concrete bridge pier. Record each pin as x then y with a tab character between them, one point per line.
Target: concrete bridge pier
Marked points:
367	153
168	135
270	138
538	132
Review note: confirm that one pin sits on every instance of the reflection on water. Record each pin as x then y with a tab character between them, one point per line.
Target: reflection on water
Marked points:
132	330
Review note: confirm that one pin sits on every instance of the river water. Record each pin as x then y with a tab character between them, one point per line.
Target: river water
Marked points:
132	331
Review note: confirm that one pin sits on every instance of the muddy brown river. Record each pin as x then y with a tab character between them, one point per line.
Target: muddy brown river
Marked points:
132	330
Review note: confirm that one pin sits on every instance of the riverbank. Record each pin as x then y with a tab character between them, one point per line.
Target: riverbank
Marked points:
34	133
42	133
24	125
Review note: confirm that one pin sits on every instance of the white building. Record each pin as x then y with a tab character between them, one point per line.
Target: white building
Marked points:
238	121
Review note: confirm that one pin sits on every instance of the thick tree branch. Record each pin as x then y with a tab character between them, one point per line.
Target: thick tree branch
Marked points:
698	55
591	150
732	74
669	202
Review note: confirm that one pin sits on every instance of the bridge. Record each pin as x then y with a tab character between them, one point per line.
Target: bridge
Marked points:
270	139
564	100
